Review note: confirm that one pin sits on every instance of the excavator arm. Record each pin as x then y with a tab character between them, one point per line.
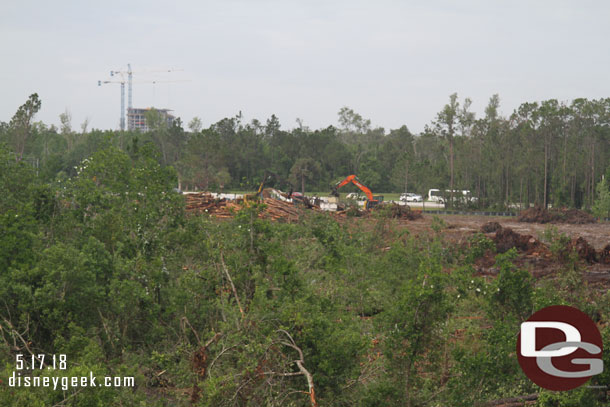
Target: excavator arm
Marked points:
354	180
269	175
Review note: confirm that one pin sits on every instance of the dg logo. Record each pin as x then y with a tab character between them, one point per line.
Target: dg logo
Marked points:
560	348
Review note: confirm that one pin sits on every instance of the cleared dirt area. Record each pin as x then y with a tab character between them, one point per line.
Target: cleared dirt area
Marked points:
597	234
590	242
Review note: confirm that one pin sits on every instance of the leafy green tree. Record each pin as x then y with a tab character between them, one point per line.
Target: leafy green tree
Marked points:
304	169
352	122
195	125
601	207
21	124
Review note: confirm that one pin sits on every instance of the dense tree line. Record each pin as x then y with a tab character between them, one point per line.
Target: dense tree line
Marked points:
548	153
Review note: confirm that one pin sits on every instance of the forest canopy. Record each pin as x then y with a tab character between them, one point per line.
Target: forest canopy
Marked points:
549	152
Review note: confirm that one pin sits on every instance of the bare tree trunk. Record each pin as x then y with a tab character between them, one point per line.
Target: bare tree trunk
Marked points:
451	170
565	156
521	194
406	175
546	159
507	184
573	190
592	195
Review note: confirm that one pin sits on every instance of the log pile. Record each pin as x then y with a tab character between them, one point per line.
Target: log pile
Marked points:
279	210
275	209
204	202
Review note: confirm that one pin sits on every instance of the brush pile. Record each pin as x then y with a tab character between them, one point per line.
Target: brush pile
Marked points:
204	202
402	212
539	214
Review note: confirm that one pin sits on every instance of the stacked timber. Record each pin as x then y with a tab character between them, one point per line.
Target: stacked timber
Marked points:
275	209
280	210
204	202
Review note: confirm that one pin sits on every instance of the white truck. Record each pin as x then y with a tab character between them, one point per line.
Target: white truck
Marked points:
459	195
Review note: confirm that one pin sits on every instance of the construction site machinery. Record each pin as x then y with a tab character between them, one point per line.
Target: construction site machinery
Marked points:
270	176
371	202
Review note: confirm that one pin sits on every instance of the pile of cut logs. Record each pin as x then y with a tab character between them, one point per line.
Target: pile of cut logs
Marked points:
204	202
279	210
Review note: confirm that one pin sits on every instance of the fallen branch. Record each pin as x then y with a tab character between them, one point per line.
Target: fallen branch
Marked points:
14	333
301	365
184	321
226	270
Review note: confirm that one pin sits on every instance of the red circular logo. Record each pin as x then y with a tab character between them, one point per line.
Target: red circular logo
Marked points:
560	348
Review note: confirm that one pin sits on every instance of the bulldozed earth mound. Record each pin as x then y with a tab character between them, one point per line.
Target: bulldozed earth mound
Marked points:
538	214
537	256
584	250
403	212
505	239
491	227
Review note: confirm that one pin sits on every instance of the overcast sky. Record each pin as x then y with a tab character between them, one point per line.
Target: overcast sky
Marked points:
394	62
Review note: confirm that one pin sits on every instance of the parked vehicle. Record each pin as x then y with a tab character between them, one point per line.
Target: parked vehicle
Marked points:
462	196
355	195
436	195
411	197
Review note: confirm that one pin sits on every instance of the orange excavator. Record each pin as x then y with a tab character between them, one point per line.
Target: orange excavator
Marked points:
371	200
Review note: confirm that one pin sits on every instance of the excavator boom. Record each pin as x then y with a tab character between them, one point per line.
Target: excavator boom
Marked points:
354	180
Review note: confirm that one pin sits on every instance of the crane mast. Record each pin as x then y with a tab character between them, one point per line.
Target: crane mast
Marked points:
130	79
127	76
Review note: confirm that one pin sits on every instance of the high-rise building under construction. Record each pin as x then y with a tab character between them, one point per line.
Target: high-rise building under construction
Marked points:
136	118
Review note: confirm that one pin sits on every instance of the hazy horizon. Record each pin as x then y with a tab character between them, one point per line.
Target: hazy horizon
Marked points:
394	63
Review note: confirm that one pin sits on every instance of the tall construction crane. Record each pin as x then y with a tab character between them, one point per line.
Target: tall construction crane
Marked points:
129	74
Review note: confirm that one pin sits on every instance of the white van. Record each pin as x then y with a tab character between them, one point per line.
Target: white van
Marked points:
436	195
